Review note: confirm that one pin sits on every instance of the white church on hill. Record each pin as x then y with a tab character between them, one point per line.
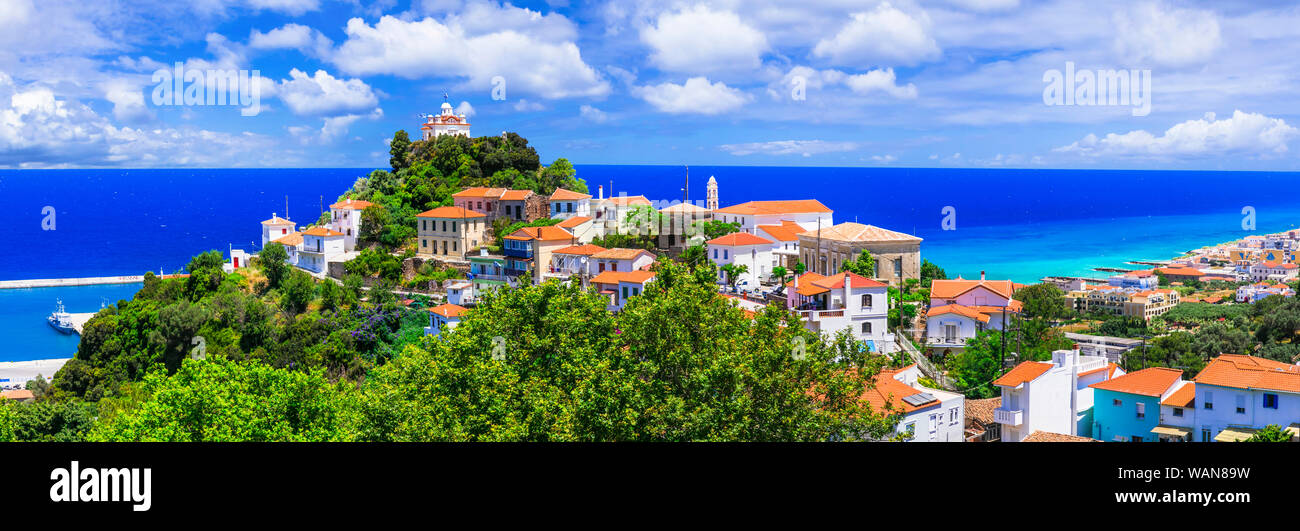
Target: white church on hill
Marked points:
446	122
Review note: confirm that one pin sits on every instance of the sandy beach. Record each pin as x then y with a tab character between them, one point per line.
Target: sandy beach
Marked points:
19	372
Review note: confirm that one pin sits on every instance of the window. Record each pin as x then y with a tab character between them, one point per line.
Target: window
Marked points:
453	226
1209	400
1117	402
424	243
866	300
934	425
1141	410
1178	412
1205	435
866	328
1270	400
911	428
724	254
453	246
624	292
1241	404
715	254
952	415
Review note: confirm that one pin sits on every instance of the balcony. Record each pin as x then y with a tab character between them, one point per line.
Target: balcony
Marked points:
945	341
819	315
519	253
511	272
1008	416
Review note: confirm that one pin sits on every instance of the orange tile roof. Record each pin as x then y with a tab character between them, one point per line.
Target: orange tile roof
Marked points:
277	220
573	222
580	250
888	389
562	194
480	191
1180	271
981	409
787	231
1250	372
351	204
684	208
797	206
1146	382
951	289
1047	436
1185	396
1025	372
620	253
629	200
857	232
449	310
17	394
614	277
546	234
292	239
836	281
321	231
516	195
959	310
450	212
739	238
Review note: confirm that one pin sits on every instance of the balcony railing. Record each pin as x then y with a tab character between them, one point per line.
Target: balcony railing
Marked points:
519	253
1010	417
819	315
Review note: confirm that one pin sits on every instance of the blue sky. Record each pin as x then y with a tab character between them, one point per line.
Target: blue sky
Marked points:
945	83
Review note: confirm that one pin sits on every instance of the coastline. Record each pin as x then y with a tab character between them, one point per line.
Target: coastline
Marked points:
19	372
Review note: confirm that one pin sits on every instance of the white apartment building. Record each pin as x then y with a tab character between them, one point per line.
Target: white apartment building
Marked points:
1051	396
320	246
275	228
930	415
1237	395
345	218
742	249
807	213
828	304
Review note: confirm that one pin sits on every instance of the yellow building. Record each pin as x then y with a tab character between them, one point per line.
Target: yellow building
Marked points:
449	232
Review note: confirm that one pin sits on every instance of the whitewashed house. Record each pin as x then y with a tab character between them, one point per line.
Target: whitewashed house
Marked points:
785	242
1238	395
574	260
459	292
566	204
1052	397
929	415
742	249
291	243
444	318
620	259
345	218
960	308
828	304
620	286
320	246
807	213
274	228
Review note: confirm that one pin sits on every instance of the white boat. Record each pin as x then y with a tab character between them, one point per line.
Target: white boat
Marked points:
61	320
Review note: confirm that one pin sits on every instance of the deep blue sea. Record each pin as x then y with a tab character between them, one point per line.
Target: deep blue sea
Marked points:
1018	224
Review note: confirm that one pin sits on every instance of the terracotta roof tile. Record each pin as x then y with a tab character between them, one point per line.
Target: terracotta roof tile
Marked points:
562	194
573	222
857	232
1185	396
1146	382
1250	372
1047	436
797	206
351	204
620	253
1025	372
321	231
739	238
450	212
580	250
449	310
958	309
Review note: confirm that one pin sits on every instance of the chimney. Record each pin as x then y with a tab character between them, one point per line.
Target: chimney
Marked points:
847	288
981	275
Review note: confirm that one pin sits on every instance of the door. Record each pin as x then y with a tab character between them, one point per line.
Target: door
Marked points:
236	261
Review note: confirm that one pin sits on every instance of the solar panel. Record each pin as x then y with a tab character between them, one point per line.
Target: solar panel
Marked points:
919	398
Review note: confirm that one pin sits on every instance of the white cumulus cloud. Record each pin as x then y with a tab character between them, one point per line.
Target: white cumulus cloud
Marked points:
881	81
1152	32
323	94
697	96
884	35
700	40
1242	134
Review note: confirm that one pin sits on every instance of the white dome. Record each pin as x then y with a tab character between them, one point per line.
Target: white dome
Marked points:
446	105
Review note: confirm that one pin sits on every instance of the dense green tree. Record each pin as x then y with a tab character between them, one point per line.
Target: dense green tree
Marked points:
864	265
274	263
399	151
222	400
298	291
930	273
731	273
46	421
714	228
973	369
695	256
1043	301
